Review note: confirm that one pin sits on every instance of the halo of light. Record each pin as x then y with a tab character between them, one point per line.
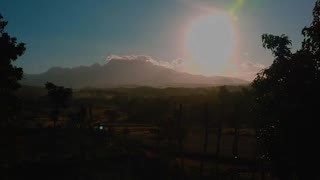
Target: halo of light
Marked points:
210	40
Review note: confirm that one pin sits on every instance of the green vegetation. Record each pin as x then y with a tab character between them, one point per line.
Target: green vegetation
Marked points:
227	132
287	100
59	96
10	50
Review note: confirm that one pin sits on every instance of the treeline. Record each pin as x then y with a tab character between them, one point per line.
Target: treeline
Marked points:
151	105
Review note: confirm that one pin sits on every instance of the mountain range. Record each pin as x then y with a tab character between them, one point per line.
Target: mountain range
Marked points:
124	73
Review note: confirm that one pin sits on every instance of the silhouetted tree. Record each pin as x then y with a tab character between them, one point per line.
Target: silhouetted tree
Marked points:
287	101
206	134
112	115
223	114
59	96
82	116
10	50
180	133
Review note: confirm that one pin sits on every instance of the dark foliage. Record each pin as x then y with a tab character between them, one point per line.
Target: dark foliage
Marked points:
287	100
10	50
59	96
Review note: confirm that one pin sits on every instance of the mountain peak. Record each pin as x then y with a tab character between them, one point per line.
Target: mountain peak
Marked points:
118	73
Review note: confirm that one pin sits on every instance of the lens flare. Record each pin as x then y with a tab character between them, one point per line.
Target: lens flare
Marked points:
210	40
237	6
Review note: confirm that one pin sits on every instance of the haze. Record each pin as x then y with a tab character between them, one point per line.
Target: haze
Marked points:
204	37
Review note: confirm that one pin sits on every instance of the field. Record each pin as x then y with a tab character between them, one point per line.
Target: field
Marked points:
164	127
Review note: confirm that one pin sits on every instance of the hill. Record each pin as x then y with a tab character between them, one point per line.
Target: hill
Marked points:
123	73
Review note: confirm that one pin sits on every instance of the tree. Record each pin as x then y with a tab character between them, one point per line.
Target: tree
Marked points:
287	100
224	97
112	115
10	50
59	96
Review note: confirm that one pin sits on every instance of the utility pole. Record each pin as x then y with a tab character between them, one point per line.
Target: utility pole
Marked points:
180	134
205	144
219	133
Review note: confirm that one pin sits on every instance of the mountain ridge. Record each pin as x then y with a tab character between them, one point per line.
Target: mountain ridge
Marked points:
119	73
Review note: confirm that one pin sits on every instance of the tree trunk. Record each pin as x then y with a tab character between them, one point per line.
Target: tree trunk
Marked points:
218	147
205	144
180	129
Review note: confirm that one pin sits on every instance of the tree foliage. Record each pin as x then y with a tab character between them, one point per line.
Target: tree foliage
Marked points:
10	51
287	100
59	96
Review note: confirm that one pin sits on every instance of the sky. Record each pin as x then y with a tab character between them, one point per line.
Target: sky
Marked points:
70	33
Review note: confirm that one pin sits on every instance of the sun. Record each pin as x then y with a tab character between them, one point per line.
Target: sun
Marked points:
210	41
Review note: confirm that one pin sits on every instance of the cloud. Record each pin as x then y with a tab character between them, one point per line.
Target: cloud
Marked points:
174	64
248	69
244	69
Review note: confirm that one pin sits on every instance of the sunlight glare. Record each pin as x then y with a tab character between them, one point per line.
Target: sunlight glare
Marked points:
210	41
